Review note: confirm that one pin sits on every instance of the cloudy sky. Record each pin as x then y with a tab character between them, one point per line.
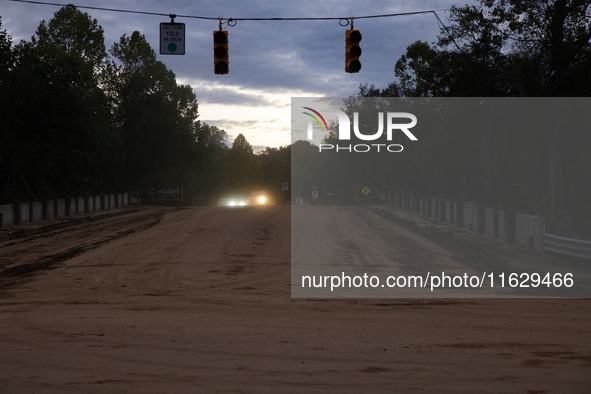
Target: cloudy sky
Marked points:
270	61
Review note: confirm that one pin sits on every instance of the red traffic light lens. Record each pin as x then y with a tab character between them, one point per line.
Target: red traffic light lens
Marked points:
355	36
220	37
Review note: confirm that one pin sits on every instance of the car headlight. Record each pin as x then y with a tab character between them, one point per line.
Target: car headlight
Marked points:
261	199
232	203
242	203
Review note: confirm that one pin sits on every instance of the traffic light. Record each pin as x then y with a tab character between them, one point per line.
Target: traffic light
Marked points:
220	52
352	64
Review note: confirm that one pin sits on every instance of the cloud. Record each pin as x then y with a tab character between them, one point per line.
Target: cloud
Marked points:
228	96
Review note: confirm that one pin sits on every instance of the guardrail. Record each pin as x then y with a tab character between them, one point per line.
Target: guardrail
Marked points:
37	211
567	246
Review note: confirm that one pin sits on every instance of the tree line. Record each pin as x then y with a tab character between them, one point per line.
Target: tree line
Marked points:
78	119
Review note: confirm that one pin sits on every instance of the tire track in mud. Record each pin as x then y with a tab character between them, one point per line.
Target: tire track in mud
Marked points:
111	227
27	234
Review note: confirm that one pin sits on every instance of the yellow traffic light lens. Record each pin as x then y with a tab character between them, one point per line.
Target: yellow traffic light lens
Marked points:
355	51
220	52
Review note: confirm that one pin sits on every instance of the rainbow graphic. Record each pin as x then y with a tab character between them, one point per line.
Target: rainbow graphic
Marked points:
315	118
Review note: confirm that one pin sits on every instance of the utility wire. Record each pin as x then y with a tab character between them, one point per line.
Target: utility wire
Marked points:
232	19
101	9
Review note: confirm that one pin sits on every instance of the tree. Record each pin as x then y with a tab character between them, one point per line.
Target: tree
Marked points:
59	113
133	52
416	71
156	117
74	32
240	171
5	53
212	145
6	118
501	46
275	164
393	90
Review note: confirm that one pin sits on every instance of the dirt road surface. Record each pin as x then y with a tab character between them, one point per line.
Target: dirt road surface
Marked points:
198	301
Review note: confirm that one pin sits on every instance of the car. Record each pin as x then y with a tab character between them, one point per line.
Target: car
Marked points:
258	198
231	202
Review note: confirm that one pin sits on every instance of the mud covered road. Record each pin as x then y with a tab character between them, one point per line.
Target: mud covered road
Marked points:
198	301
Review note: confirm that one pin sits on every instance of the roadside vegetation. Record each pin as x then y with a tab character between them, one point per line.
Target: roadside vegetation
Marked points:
80	118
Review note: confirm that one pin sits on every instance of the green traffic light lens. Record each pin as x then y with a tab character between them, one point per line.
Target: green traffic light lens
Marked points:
355	66
221	67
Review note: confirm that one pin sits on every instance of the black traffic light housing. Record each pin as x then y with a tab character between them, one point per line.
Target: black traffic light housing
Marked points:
353	51
220	52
